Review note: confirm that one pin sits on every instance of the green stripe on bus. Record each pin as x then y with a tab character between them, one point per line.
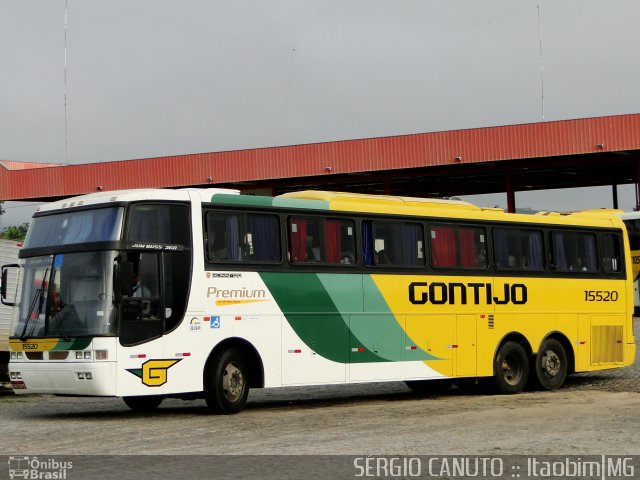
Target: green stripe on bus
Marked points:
328	315
247	200
261	201
73	344
314	316
381	328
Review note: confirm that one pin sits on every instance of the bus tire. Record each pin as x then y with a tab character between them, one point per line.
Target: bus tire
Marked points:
511	368
145	403
551	365
226	382
440	385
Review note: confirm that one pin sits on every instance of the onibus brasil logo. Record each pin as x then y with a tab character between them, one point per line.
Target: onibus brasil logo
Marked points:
154	372
35	468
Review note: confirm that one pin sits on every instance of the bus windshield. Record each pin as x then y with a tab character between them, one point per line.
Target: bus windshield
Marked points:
83	226
67	295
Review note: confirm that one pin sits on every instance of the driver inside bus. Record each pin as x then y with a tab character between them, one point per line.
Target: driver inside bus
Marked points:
139	290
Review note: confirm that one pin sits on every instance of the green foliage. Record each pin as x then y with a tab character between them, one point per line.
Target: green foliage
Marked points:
15	233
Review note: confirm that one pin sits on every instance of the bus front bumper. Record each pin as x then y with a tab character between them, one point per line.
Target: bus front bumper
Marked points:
90	379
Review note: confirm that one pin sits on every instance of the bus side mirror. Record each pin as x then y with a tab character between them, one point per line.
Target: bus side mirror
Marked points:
3	285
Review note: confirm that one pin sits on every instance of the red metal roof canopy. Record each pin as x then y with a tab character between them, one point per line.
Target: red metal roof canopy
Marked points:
591	151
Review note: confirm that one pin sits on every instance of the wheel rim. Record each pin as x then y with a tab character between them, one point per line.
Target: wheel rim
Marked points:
511	370
232	382
551	363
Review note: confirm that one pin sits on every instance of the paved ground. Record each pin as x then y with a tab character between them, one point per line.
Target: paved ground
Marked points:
594	414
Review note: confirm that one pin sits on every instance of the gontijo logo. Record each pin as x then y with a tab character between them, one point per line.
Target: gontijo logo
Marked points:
440	293
224	296
154	372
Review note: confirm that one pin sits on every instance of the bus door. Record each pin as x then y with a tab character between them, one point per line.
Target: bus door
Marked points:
141	326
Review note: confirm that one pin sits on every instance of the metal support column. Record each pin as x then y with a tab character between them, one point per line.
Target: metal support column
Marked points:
511	196
637	207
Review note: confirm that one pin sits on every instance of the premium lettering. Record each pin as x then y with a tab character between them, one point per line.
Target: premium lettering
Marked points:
243	292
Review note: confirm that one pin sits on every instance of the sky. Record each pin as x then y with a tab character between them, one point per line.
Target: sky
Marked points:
94	81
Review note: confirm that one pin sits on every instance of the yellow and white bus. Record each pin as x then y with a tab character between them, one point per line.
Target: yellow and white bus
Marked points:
148	294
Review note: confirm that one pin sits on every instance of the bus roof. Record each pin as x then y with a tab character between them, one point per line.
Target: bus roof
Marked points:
98	198
387	204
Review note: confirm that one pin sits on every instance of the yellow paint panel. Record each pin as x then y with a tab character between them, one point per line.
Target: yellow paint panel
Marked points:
465	346
33	345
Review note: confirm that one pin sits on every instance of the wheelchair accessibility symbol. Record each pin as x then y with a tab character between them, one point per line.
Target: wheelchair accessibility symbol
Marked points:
215	322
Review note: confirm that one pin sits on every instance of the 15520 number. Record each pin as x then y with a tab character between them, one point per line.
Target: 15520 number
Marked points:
600	296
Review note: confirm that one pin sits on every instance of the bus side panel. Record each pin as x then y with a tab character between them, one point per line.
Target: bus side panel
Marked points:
301	361
582	345
465	346
435	335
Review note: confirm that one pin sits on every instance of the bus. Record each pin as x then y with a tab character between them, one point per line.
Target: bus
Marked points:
8	255
632	222
153	294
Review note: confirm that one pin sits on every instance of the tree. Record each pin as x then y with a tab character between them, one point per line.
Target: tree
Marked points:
15	233
1	209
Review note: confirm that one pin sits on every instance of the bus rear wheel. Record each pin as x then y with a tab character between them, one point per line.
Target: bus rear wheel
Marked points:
511	368
551	364
145	403
226	382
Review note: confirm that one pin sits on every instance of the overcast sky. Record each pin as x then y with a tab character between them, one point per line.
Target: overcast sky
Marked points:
161	77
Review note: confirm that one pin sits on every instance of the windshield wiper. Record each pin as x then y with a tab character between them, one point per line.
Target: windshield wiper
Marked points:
37	299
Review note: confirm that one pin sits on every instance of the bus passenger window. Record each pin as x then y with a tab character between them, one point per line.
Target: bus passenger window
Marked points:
574	252
473	247
443	246
393	243
340	241
458	246
304	234
610	254
518	249
240	237
321	240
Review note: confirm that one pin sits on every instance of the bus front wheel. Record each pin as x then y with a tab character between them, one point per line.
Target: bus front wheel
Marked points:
146	403
551	364
511	368
227	387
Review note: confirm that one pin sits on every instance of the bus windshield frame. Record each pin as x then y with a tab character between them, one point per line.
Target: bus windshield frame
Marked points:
67	295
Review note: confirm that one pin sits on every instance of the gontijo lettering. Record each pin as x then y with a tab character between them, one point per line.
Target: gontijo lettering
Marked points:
440	293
